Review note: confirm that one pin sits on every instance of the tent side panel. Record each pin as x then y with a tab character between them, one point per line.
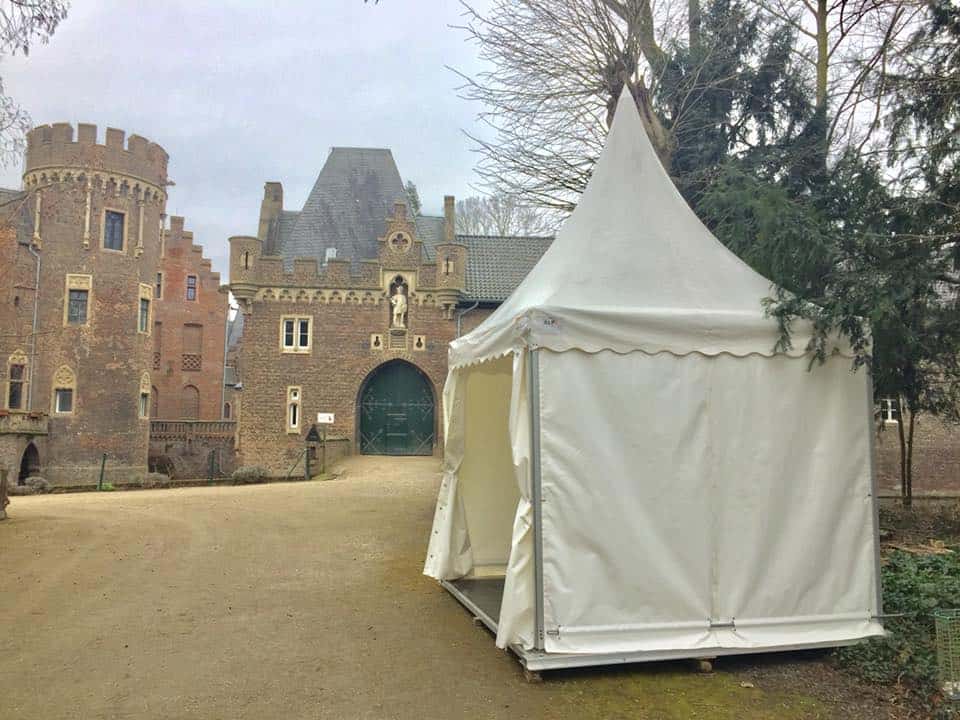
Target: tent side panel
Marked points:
704	502
625	517
793	496
487	480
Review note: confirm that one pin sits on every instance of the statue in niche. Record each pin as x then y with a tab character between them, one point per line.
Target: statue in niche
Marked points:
399	302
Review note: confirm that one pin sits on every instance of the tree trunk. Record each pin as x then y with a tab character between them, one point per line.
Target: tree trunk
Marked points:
909	463
823	58
903	455
694	20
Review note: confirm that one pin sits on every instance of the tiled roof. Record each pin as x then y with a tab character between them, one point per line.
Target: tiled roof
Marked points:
430	230
347	208
497	265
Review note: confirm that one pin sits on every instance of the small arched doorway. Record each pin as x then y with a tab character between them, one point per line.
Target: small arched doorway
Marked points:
396	409
29	463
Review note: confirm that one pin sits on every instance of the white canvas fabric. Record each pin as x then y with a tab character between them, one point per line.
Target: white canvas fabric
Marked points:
699	491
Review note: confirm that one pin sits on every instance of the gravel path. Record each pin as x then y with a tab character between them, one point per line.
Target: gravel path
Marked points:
287	601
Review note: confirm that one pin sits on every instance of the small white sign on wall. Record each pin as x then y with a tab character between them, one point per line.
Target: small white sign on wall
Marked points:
325	418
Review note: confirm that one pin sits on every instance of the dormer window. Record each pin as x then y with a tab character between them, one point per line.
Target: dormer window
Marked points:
330	254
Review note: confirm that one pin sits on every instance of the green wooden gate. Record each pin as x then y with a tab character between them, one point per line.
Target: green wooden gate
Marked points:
396	412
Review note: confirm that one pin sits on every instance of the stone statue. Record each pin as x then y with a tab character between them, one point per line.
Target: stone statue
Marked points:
399	302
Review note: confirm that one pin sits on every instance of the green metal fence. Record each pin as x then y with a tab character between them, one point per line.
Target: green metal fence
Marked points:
947	623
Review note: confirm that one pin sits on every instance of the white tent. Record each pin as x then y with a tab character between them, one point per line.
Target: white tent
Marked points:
630	471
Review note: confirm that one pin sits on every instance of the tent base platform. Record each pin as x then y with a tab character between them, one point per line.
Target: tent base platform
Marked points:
482	597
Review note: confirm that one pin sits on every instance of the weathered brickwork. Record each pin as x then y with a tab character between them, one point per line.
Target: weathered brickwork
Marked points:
348	311
188	332
92	215
936	456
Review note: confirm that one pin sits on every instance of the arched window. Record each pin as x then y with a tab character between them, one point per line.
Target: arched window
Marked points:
189	403
226	411
17	379
64	391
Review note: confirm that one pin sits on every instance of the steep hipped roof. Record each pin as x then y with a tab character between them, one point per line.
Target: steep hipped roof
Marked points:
347	208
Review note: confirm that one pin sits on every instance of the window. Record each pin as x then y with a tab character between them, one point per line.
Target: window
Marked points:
77	307
17	385
246	260
144	325
448	266
295	334
890	410
157	344
77	300
293	409
144	407
64	390
113	230
63	400
329	254
226	411
191	287
158	286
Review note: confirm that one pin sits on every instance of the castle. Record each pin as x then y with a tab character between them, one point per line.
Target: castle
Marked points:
96	290
115	349
348	305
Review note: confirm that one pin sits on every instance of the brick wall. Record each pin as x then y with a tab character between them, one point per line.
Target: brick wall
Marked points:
207	316
70	183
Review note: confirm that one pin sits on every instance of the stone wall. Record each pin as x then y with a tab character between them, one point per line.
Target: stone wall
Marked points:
183	450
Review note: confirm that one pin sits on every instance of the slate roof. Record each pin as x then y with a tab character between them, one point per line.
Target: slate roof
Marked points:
347	207
234	330
496	265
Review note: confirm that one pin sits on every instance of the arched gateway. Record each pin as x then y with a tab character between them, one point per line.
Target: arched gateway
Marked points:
396	410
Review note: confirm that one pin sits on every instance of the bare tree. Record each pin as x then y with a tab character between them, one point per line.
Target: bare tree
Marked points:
848	45
22	24
502	215
556	71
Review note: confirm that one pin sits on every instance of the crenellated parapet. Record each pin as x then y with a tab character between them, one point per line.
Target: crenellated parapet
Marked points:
120	165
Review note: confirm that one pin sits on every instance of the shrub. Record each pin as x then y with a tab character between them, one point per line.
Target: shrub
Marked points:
248	474
39	484
914	585
107	487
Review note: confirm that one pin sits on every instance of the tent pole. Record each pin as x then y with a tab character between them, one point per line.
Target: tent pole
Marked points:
534	390
875	493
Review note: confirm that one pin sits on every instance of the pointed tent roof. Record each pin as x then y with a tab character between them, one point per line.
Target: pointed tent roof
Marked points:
632	268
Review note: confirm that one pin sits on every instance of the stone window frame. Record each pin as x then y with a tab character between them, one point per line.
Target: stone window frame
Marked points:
17	357
296	348
294	399
77	281
103	229
146	293
145	396
227	411
63	379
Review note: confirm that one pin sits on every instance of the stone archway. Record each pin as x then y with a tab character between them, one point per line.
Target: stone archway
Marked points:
29	463
396	411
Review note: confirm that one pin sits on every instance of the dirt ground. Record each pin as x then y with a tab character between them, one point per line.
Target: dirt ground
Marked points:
305	600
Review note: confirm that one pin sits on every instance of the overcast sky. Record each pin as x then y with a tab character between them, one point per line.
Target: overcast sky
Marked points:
242	92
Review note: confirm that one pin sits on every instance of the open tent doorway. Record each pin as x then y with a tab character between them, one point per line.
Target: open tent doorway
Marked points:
29	464
396	410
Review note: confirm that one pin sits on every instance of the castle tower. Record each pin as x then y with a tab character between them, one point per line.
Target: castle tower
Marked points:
96	226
